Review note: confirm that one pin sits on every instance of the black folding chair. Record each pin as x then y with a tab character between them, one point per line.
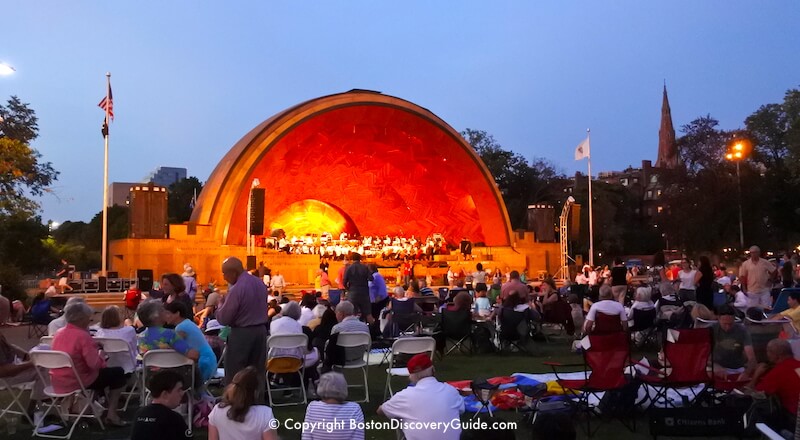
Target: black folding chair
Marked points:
457	328
644	331
514	329
405	318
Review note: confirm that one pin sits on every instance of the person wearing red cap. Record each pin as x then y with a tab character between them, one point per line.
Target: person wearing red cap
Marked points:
426	403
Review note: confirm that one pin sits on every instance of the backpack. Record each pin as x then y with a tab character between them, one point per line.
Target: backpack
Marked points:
621	401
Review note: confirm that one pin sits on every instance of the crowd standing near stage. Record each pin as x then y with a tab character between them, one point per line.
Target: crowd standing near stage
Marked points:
231	330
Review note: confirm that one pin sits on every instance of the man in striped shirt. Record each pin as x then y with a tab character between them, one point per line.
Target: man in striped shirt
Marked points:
348	321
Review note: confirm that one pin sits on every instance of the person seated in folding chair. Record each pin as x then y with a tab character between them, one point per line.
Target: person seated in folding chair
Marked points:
793	312
428	401
333	406
158	419
178	315
608	305
42	310
16	369
287	324
734	356
61	322
237	416
88	360
156	337
348	323
779	378
554	309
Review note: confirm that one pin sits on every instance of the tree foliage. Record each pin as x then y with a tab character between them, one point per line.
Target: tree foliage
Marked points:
22	174
180	202
521	182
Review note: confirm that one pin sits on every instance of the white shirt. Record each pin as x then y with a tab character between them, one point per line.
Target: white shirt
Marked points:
127	334
256	422
428	401
277	281
741	302
56	325
285	326
51	292
608	307
306	315
687	279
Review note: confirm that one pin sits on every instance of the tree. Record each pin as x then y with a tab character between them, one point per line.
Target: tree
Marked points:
520	182
180	202
18	121
21	172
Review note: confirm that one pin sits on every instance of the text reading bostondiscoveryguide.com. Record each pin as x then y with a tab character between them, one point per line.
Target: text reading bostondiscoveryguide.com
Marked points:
394	424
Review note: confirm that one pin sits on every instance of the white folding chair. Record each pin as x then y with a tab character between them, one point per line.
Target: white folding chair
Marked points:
46	360
704	323
158	359
355	340
287	344
46	340
119	355
15	405
406	346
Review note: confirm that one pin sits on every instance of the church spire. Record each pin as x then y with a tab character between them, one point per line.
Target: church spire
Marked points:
667	148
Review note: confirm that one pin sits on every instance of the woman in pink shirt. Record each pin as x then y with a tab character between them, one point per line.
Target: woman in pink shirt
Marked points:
89	361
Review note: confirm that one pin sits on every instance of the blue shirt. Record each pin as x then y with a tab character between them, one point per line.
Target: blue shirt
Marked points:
377	288
207	363
191	287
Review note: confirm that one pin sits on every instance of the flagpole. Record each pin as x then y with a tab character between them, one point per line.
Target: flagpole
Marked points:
591	223
105	181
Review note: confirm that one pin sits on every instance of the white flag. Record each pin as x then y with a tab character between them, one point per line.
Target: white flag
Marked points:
582	151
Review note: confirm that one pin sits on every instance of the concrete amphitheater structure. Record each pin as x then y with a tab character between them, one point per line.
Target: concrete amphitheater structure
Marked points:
360	162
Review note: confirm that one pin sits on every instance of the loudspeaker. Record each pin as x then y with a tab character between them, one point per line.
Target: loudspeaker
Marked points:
541	220
102	285
113	274
148	211
144	279
257	196
575	222
251	262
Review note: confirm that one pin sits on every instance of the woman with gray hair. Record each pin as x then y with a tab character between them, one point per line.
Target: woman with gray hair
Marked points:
89	361
332	392
152	315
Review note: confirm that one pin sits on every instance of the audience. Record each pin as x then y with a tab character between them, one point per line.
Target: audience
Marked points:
428	401
112	326
42	310
158	420
780	377
16	368
793	312
237	417
514	285
608	305
332	406
88	362
641	301
348	321
318	311
307	304
483	307
217	344
178	315
733	348
61	322
152	315
174	289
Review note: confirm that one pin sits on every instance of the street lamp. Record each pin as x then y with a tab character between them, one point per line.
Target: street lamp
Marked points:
6	69
738	149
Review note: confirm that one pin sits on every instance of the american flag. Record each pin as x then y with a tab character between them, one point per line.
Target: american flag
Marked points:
107	104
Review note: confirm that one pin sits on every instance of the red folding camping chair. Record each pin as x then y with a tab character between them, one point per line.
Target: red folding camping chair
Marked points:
606	324
604	365
686	358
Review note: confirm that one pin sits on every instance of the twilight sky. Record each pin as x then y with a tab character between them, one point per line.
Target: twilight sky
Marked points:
191	78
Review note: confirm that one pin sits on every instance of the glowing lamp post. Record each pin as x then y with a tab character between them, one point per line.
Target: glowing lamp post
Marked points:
738	149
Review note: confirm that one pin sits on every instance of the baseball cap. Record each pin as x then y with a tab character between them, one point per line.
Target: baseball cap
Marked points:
419	362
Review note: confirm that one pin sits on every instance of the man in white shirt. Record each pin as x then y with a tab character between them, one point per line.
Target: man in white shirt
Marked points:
427	402
606	306
756	274
277	282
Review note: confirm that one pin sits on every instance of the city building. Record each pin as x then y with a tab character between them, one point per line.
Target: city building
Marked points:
119	193
166	176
